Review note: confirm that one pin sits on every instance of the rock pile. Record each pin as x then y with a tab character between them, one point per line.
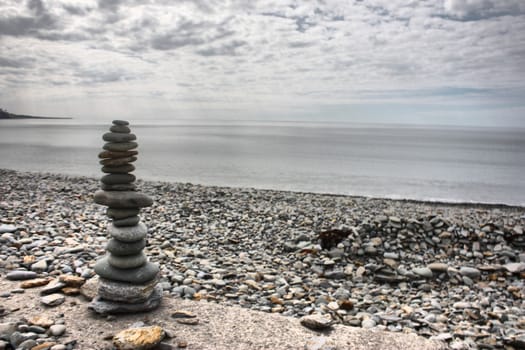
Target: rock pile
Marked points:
128	281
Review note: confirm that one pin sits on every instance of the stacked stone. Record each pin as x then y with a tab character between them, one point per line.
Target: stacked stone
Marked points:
128	281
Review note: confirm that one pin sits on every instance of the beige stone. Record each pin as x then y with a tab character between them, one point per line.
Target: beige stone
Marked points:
89	289
41	321
138	338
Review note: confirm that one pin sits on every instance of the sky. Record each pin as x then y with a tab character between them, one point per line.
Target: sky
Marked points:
450	62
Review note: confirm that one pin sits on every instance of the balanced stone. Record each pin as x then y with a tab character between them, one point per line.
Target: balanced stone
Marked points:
118	137
122	169
120	146
119	187
120	122
120	129
128	234
102	306
140	275
115	155
128	281
117	214
118	161
116	247
127	261
114	179
131	221
126	292
122	199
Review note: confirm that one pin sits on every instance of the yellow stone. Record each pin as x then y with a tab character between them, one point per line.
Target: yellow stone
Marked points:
43	346
29	259
71	291
72	281
138	338
36	282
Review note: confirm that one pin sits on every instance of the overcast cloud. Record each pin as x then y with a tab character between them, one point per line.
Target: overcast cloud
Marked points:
450	61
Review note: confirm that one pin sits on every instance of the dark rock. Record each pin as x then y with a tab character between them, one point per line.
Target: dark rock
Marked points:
117	247
131	221
117	179
120	122
122	199
140	275
118	161
122	169
117	214
121	129
127	261
332	238
120	147
128	234
120	187
117	155
118	137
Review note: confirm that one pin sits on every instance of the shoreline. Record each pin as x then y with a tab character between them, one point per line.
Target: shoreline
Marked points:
454	273
436	202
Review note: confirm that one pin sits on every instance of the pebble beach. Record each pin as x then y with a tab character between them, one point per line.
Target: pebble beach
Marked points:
449	272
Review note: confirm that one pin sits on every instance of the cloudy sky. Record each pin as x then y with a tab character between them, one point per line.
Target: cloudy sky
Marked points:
436	61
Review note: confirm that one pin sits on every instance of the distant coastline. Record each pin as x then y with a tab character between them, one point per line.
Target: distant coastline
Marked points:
6	115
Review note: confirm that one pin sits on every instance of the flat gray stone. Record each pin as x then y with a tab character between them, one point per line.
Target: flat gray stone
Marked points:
5	228
120	122
122	129
131	221
19	275
121	187
140	275
117	155
117	214
53	287
424	272
126	292
117	247
120	146
117	179
515	267
128	234
122	199
102	306
118	161
127	261
121	169
118	137
53	299
470	272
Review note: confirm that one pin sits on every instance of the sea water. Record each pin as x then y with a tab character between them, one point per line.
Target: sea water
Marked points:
485	165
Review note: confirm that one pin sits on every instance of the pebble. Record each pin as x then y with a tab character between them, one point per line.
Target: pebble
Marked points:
52	299
21	275
470	272
317	322
57	330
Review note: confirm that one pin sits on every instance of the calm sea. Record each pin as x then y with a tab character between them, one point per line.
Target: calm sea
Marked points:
427	163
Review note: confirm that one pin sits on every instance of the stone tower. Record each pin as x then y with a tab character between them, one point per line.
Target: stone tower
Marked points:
128	281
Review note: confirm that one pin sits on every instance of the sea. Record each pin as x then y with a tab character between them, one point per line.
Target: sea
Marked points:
430	163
